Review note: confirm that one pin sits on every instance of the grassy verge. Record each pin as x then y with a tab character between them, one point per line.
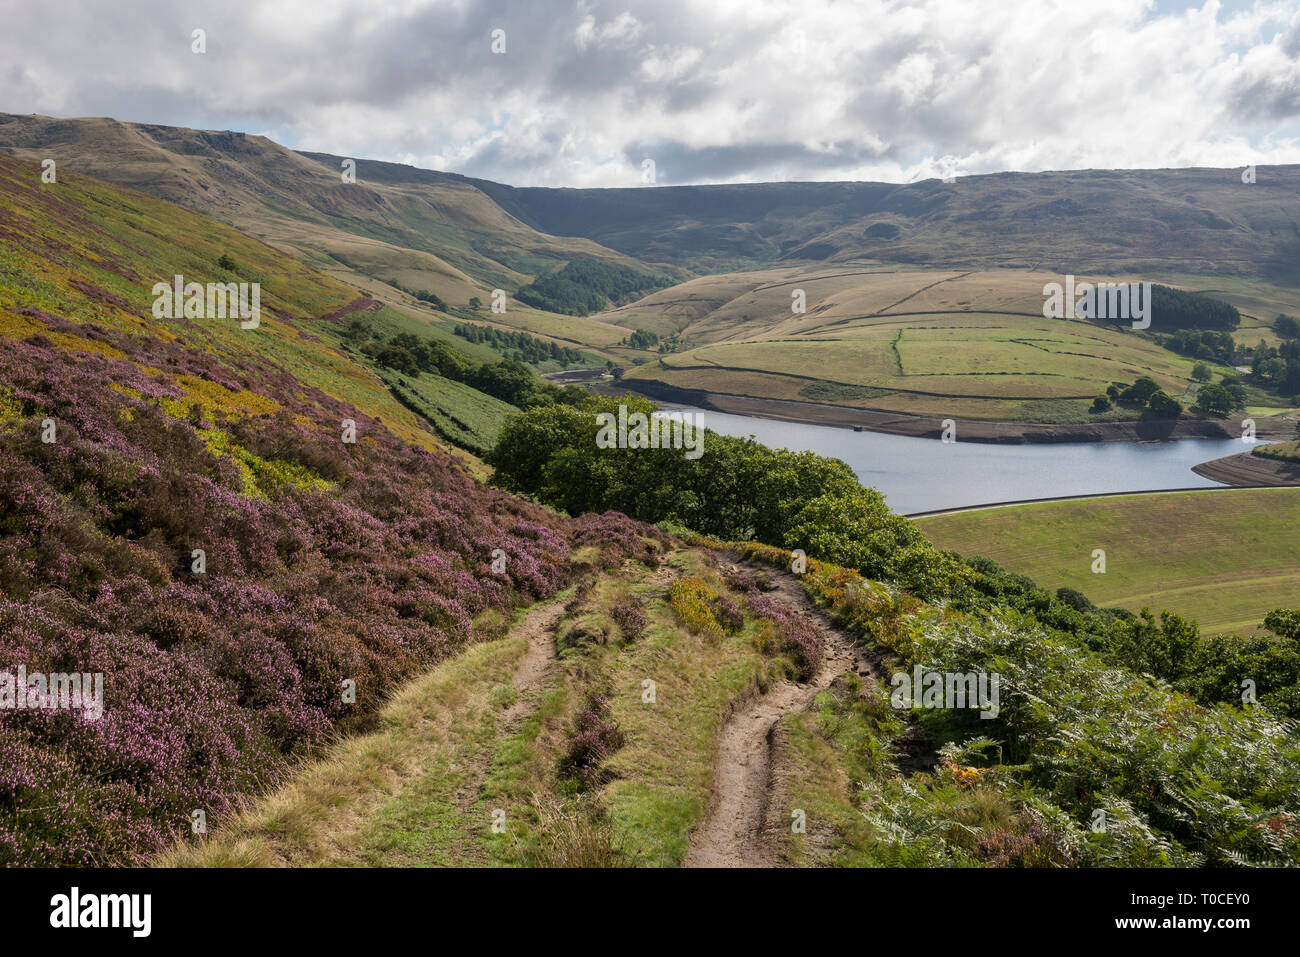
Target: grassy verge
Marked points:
383	797
1285	451
1224	558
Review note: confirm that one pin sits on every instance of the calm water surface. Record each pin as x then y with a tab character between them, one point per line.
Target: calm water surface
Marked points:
918	475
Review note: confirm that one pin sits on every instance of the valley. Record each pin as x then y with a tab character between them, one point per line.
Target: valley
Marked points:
957	332
368	590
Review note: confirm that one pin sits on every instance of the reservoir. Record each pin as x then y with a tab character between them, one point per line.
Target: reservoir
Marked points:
921	475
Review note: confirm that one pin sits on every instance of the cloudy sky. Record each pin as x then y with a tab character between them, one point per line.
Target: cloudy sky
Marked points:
711	91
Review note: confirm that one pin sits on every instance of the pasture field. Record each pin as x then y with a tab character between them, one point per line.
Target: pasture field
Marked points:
1223	557
968	344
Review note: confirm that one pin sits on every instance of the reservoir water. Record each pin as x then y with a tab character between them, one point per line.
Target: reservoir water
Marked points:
920	475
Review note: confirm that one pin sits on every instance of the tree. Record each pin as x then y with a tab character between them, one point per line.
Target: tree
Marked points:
1235	386
1139	392
507	380
395	357
1288	327
1284	622
1161	650
1201	372
1100	404
1164	406
1215	399
1271	368
1075	599
475	303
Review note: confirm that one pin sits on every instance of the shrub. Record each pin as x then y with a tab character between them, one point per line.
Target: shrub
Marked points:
1030	843
594	737
629	614
795	636
702	609
1215	399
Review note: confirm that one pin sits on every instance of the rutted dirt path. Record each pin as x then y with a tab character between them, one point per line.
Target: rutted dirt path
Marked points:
538	627
732	832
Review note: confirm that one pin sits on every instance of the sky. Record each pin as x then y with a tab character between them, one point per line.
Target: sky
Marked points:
584	92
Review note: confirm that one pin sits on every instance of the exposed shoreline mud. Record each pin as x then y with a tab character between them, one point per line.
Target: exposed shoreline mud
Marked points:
1245	470
897	423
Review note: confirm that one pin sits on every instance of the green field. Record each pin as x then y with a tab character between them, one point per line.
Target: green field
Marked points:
926	342
1223	557
460	413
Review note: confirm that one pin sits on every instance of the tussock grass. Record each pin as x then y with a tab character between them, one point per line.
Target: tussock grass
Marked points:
315	818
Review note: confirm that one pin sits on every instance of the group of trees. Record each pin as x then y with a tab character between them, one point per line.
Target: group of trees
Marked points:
519	345
508	380
1179	309
736	490
641	339
1275	369
1201	344
586	285
1214	398
1144	394
1278	367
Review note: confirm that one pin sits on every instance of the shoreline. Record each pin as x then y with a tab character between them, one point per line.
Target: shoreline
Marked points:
935	513
914	426
1246	470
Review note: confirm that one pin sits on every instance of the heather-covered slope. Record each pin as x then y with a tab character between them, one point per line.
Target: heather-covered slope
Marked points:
326	562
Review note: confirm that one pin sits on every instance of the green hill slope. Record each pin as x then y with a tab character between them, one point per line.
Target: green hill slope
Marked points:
1224	558
241	531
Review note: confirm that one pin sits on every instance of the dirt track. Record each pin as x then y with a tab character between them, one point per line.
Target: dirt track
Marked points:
538	627
733	832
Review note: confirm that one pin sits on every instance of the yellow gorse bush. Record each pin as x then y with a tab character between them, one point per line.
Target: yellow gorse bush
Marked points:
692	602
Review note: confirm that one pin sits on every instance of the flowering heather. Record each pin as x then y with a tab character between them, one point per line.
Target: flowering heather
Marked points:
595	736
628	613
1031	843
324	563
797	637
619	538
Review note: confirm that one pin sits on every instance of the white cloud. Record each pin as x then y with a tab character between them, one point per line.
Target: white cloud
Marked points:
714	90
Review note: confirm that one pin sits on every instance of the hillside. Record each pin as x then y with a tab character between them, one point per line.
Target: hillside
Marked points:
966	344
1222	557
183	513
924	301
1191	220
424	231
